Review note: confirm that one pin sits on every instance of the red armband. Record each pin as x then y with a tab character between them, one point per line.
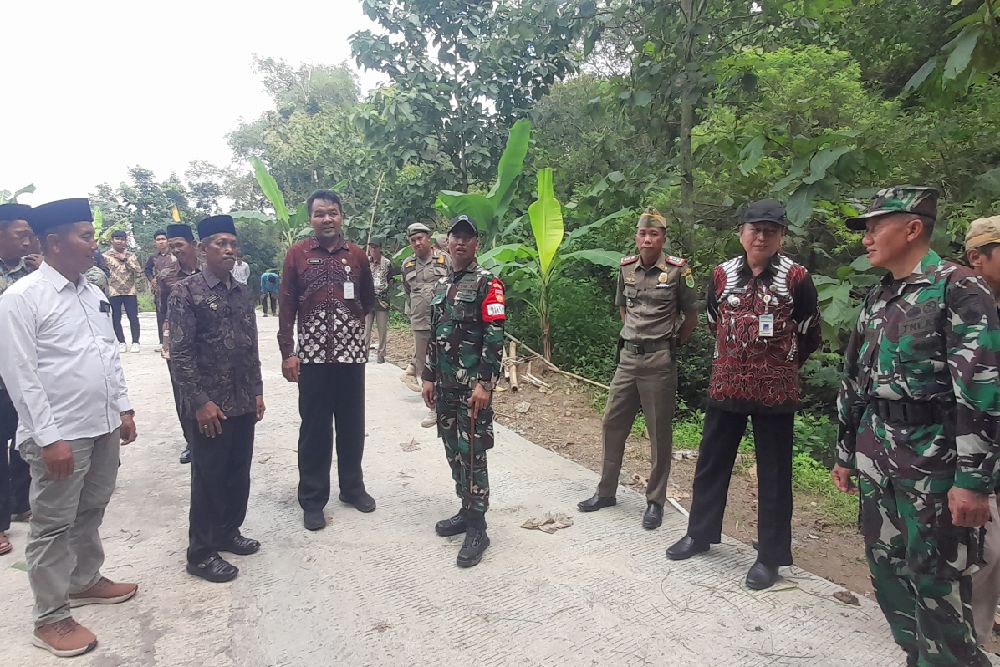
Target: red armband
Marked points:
494	305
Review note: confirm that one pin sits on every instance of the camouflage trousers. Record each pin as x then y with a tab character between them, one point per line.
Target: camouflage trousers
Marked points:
920	567
466	454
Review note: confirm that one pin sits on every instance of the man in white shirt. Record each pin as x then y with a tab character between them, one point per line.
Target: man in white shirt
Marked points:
241	270
60	364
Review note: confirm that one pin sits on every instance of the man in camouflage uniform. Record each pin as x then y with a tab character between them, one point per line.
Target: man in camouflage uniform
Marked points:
919	412
463	365
421	272
658	307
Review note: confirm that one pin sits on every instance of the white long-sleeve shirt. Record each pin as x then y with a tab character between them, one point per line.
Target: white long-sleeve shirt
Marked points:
59	359
241	272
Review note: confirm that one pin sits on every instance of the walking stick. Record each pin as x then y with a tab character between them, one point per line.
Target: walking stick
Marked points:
472	448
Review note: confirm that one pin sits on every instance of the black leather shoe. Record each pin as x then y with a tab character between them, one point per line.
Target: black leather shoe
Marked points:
314	520
451	526
186	455
653	516
595	503
762	576
476	541
686	547
213	568
361	502
241	546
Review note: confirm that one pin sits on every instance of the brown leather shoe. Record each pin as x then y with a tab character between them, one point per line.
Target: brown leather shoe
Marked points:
104	591
64	638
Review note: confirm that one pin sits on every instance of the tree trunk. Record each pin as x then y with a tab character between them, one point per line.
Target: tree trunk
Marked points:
688	93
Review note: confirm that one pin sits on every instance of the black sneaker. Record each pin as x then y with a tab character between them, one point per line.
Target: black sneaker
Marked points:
476	541
213	568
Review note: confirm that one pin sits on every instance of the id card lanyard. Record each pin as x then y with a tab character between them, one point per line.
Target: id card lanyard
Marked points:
348	284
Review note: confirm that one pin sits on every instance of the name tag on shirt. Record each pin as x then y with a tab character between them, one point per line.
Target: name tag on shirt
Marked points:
765	325
348	290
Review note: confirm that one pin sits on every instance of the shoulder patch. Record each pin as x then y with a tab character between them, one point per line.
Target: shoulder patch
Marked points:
410	263
440	259
494	306
676	261
631	259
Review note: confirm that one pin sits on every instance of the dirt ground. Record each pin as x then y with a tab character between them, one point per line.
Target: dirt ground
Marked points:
564	420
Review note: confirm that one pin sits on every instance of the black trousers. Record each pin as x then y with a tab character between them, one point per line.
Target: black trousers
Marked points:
188	427
131	306
15	475
720	440
160	319
329	392
220	485
273	298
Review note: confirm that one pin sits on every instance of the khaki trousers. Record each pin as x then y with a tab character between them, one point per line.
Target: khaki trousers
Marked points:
986	582
646	381
64	550
379	318
420	341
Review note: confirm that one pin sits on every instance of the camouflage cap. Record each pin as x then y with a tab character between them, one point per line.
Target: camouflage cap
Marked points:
651	218
417	228
920	201
982	232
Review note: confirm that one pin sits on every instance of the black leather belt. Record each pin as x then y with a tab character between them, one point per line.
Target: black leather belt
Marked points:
911	413
648	347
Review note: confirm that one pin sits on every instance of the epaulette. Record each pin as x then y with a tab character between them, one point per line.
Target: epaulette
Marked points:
676	261
631	259
410	262
440	259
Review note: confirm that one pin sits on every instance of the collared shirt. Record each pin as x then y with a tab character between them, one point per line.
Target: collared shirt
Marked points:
654	298
125	272
331	327
60	359
170	277
241	271
158	263
420	276
213	344
9	276
931	338
756	367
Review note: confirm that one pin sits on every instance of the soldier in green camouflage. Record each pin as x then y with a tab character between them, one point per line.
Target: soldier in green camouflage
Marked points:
919	412
463	365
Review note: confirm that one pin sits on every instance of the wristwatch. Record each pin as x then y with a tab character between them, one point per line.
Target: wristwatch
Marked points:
127	413
486	384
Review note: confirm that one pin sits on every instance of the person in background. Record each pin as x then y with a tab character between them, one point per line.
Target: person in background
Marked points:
327	288
982	250
421	273
763	311
214	360
270	283
122	288
58	339
157	263
97	275
382	273
182	244
16	262
919	410
241	271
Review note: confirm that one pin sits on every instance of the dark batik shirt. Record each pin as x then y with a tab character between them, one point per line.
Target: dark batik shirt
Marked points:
331	328
213	344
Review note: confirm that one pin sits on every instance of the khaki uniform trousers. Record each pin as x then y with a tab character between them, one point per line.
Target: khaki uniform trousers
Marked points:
420	341
986	582
64	551
380	319
646	381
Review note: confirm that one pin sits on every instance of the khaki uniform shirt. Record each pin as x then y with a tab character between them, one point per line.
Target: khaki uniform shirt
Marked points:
419	278
654	298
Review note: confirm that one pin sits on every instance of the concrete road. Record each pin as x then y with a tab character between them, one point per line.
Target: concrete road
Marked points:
382	589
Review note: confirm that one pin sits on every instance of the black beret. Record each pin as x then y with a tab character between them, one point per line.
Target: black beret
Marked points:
14	211
217	224
180	232
61	212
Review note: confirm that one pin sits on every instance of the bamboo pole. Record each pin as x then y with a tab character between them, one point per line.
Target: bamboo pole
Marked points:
371	223
551	366
513	367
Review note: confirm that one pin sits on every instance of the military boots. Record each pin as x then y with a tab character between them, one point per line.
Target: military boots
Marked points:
476	540
454	525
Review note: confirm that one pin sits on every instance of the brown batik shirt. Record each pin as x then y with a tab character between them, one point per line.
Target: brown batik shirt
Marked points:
125	272
213	344
331	327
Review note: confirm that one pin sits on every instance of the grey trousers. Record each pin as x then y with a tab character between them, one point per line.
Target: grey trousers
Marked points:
420	341
649	382
986	582
64	551
379	318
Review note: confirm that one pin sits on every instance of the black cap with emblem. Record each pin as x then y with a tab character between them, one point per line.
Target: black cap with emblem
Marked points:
764	210
463	224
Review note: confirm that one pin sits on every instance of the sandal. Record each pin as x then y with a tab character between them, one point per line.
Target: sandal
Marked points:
5	546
